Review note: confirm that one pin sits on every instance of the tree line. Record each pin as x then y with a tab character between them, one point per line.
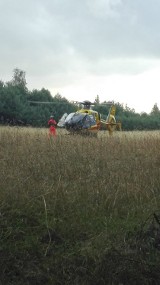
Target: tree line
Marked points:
17	107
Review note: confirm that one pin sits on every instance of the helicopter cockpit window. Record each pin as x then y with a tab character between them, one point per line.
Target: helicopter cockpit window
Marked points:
77	117
75	120
92	119
89	121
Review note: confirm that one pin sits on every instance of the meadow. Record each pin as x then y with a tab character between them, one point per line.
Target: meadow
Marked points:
79	210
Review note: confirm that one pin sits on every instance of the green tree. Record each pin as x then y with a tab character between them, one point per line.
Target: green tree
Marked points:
155	110
19	78
42	95
13	97
97	100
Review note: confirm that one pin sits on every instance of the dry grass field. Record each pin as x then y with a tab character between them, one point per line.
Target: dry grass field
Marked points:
79	210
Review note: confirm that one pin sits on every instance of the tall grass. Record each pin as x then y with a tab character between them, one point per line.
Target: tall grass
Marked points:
78	210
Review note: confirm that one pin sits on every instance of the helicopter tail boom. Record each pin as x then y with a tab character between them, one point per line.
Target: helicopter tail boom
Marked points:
110	123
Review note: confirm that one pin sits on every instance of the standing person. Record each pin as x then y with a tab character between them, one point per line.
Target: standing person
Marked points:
52	126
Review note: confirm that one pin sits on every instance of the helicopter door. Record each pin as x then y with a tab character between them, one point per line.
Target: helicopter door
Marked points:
61	122
69	117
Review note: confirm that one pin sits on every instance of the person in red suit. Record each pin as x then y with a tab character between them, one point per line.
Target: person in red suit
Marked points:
52	126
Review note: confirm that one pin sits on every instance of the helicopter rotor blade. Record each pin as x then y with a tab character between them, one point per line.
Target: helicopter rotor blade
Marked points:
47	102
40	102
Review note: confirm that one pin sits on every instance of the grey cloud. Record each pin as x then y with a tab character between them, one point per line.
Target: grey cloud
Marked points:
60	39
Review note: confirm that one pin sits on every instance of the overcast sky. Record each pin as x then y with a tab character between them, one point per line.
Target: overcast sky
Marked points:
81	48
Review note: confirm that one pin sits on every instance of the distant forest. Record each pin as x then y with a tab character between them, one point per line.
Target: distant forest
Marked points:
16	107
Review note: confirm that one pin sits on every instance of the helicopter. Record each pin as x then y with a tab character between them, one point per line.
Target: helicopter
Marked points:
88	121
